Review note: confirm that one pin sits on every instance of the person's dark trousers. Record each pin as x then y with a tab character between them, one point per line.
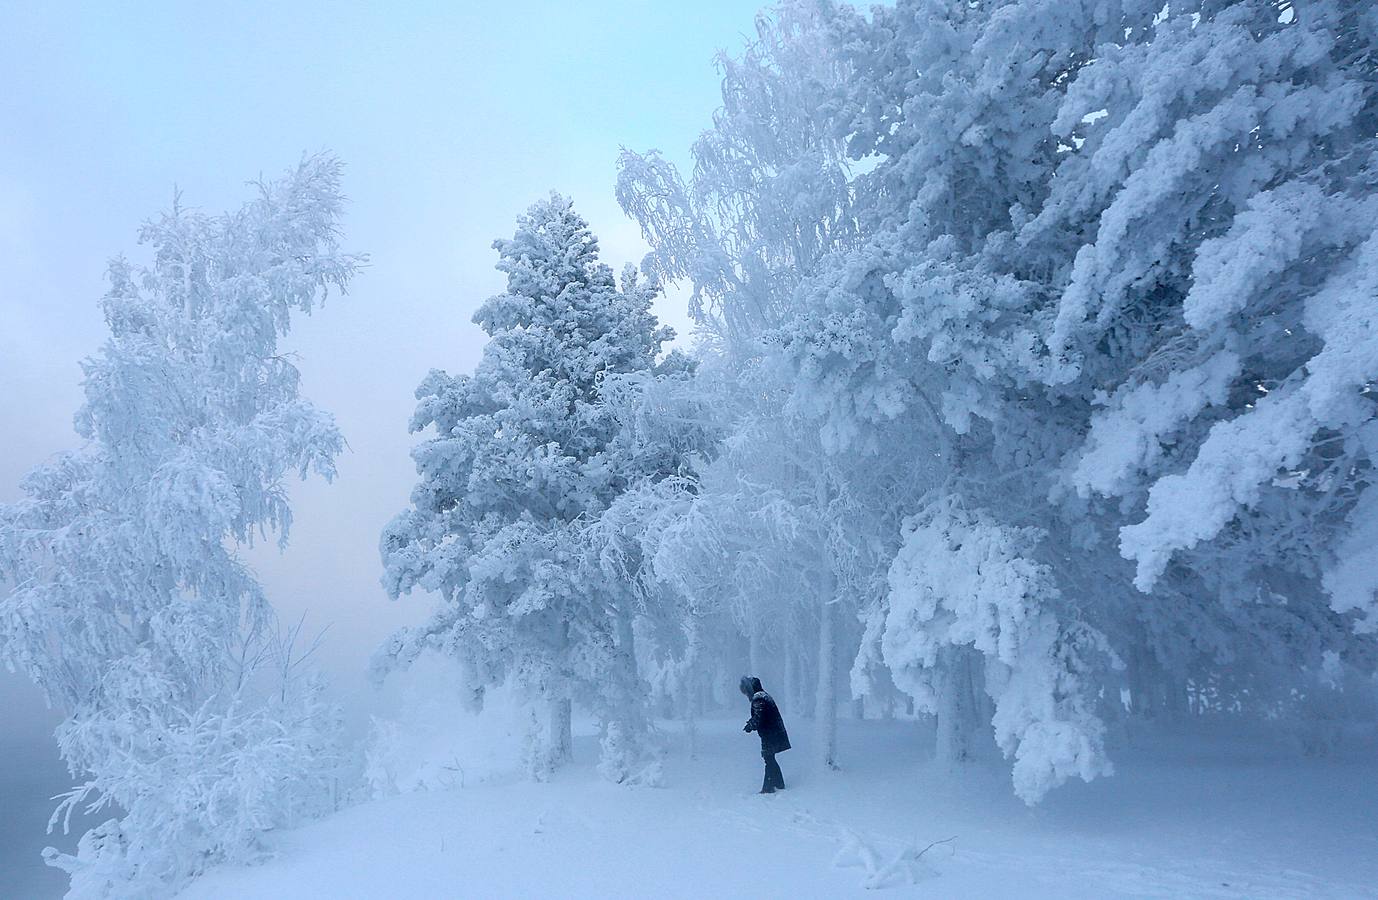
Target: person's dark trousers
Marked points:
775	779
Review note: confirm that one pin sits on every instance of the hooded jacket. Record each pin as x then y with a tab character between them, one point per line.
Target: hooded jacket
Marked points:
765	717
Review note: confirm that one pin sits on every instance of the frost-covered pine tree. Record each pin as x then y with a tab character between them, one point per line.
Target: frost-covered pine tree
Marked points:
129	605
528	453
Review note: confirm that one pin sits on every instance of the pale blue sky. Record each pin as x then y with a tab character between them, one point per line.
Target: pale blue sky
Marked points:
451	119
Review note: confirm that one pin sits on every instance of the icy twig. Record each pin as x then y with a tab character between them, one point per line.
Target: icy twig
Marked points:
856	851
902	864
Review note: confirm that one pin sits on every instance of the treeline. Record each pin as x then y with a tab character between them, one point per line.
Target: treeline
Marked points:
1032	392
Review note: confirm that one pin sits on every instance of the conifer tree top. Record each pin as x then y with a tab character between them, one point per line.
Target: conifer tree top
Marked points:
552	250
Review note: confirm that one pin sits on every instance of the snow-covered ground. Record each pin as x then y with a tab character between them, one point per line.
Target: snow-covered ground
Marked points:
1232	816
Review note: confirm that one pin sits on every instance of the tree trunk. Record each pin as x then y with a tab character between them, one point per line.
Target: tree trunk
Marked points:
791	691
753	661
958	712
690	689
825	706
561	731
1147	680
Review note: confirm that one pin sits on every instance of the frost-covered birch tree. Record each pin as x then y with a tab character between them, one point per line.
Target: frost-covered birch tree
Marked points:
128	603
769	199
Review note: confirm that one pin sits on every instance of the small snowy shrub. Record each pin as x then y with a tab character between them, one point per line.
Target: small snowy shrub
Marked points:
199	787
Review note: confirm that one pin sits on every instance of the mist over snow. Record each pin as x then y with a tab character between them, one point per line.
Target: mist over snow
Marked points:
454	452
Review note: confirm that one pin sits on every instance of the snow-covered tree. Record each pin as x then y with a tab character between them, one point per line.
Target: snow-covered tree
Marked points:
1110	264
770	193
130	605
1115	320
530	453
770	198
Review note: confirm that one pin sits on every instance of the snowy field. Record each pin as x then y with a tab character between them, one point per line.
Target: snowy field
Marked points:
1182	818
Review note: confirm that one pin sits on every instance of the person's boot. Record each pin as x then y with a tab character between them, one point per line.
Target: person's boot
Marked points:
775	779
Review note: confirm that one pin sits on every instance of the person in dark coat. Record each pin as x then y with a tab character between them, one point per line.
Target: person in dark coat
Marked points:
766	722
